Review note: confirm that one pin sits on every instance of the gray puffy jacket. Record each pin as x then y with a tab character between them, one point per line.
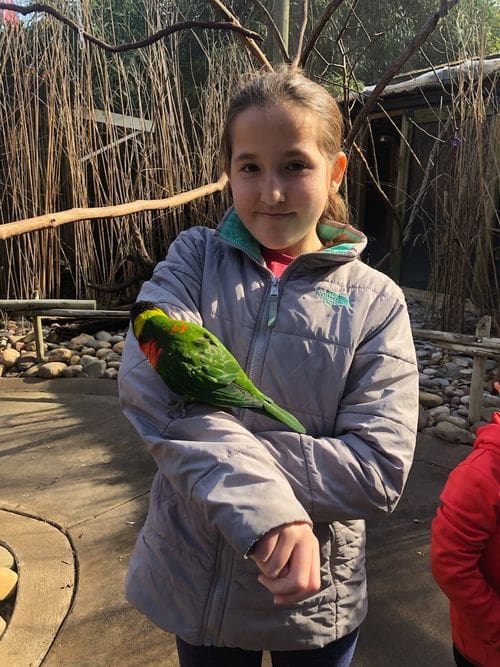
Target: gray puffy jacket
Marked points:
330	341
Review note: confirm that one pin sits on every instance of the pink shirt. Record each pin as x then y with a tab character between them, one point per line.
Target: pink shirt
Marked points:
276	261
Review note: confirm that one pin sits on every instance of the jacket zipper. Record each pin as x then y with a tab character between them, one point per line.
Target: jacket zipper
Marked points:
273	302
216	603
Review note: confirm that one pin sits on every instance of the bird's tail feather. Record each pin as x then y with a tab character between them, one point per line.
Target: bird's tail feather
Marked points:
282	415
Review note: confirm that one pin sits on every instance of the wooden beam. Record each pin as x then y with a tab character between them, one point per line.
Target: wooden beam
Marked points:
22	305
119	120
82	314
465	341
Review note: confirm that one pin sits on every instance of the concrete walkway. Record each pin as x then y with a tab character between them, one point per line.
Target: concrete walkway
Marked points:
74	482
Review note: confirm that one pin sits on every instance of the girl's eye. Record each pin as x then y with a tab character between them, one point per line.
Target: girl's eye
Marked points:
297	166
249	168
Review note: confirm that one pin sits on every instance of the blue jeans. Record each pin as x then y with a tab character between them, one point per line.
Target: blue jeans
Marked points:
337	654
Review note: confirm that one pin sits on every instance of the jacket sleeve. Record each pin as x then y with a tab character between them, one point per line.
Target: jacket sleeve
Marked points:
207	455
464	524
360	471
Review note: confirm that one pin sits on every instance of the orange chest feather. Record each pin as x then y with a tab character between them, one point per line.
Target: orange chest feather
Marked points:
152	351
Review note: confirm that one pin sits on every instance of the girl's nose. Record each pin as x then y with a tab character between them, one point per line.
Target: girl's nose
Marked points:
272	192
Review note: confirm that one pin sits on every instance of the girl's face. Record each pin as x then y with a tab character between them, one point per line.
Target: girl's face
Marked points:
279	178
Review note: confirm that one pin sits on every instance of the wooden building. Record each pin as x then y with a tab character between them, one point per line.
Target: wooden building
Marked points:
424	176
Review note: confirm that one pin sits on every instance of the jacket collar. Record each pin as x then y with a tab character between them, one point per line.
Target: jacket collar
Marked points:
232	230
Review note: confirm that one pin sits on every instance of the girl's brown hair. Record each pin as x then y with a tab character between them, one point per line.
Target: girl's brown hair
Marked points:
290	86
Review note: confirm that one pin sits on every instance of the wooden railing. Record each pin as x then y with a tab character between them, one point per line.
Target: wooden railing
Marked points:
481	346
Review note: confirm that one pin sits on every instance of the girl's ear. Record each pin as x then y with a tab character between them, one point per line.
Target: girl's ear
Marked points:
338	169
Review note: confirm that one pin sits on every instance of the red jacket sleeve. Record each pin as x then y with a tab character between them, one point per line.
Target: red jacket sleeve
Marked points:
463	526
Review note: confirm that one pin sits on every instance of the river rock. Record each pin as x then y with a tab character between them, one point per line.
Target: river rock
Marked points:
52	369
429	400
75	371
8	582
439	411
9	356
86	359
81	340
6	558
103	335
451	433
32	371
59	354
490	401
113	364
461	422
102	345
95	368
105	352
452	370
118	347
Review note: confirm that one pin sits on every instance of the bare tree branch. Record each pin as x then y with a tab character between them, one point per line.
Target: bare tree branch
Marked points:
147	41
316	32
274	28
375	180
52	220
305	10
247	41
425	179
395	67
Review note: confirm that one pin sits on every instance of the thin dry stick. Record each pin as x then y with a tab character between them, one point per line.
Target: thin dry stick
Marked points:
396	66
318	28
147	41
275	30
52	220
425	180
247	41
305	10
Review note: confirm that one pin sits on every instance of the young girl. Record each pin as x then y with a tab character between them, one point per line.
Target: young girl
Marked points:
255	535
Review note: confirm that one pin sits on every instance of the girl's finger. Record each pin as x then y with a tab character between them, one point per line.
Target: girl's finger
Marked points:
264	548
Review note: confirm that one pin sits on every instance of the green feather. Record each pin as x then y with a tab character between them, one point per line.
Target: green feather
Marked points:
195	364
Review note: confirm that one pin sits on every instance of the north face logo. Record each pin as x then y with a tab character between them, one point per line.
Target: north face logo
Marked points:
333	298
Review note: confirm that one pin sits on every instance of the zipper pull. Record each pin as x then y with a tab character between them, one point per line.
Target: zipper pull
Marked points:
273	302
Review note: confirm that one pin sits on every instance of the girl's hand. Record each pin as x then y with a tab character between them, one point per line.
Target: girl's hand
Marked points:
288	558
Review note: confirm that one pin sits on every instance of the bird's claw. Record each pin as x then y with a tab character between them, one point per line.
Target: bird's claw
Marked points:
177	410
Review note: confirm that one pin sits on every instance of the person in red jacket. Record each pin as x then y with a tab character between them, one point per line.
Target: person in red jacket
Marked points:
465	550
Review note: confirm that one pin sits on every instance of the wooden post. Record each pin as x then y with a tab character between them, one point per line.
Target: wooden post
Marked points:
281	11
397	216
37	324
478	368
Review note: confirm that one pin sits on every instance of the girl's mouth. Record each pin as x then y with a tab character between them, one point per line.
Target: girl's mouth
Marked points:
273	214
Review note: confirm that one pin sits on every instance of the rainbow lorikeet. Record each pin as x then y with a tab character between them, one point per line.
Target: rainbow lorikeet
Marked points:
195	364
